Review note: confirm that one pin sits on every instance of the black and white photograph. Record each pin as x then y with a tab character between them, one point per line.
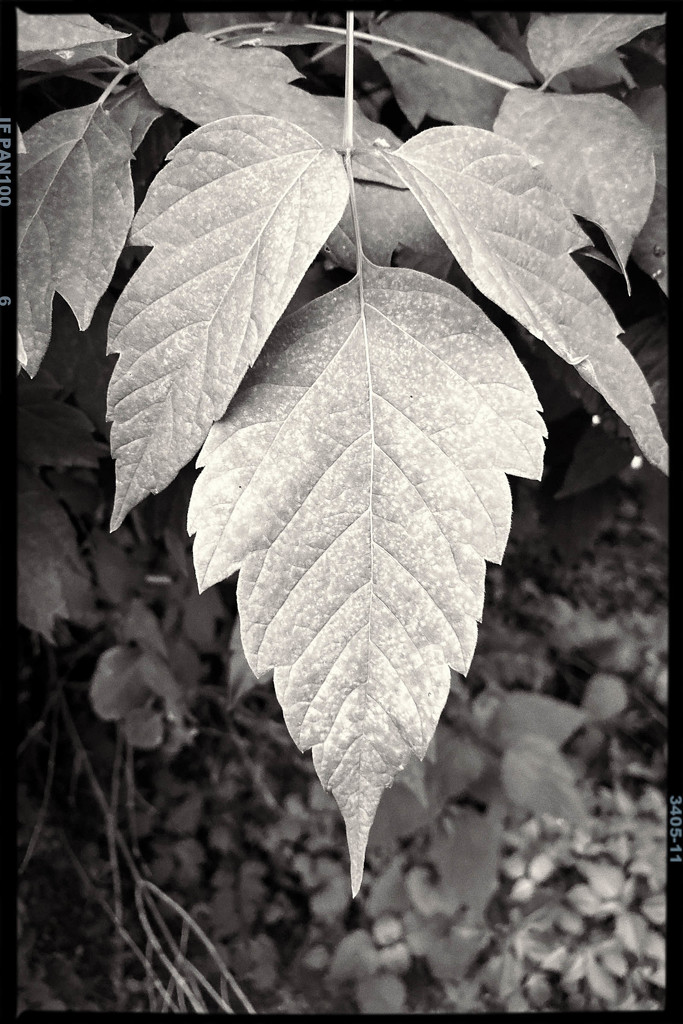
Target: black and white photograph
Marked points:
341	404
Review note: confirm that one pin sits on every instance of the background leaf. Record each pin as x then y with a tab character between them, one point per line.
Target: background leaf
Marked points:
424	87
390	219
558	42
205	81
366	416
75	209
66	39
523	713
541	780
134	110
235	219
513	235
51	581
596	154
52	433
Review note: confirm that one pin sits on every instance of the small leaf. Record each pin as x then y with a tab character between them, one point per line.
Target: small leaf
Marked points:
117	686
144	728
52	582
375	428
558	42
651	247
648	342
597	456
134	111
235	219
388	893
513	235
241	680
354	957
522	713
607	880
599	981
467	860
141	625
384	993
576	139
68	39
540	779
390	219
78	360
75	209
205	82
426	87
52	433
654	908
605	695
450	956
21	145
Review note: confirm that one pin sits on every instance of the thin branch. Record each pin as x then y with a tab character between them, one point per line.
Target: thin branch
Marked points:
248	27
324	52
126	70
347	141
203	938
42	813
197	1006
135	29
394	44
123	932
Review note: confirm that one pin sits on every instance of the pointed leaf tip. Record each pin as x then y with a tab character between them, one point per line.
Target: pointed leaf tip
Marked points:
358	481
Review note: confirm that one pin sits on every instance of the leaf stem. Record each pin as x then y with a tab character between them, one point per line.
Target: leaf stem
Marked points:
347	142
394	44
240	28
126	70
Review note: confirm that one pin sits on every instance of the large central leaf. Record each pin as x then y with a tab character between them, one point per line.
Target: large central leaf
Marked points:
358	481
235	220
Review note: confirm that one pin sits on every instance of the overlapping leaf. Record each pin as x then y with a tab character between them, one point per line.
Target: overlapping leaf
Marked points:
235	219
596	153
61	40
134	110
52	433
512	234
425	87
75	209
558	42
51	583
390	218
358	480
204	82
650	247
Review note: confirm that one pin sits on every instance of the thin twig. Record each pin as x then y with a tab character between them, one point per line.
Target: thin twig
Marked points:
141	885
158	949
42	813
123	932
203	938
110	824
394	44
127	69
324	52
248	27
